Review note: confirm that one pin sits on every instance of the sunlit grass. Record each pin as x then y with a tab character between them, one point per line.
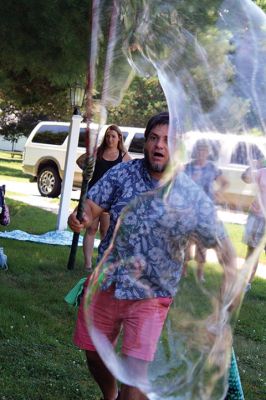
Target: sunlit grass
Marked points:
11	168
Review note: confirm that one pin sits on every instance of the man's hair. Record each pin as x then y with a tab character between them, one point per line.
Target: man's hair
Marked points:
158	119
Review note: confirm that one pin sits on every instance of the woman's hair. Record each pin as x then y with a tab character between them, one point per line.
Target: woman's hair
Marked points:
103	145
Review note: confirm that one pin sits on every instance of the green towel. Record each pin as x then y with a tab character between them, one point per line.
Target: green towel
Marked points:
74	295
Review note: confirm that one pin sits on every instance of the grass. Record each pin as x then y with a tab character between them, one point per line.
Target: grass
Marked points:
235	232
37	358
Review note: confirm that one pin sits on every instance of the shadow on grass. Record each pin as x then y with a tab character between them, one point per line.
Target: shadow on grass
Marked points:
9	171
29	219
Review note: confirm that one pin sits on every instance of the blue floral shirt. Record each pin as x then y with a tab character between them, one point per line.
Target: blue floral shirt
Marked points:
117	188
204	175
146	258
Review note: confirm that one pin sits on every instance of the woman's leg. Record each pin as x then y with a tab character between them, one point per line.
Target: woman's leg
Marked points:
104	224
88	244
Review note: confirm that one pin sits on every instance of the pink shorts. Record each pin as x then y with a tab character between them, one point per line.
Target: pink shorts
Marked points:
142	322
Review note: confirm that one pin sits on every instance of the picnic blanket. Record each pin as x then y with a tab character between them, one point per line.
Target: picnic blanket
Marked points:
63	238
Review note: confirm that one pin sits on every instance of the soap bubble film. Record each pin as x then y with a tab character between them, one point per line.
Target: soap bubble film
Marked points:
209	57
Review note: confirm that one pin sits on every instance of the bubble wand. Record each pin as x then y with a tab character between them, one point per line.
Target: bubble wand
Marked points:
92	136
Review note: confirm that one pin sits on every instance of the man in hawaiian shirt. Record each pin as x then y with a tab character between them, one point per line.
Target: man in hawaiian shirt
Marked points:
144	263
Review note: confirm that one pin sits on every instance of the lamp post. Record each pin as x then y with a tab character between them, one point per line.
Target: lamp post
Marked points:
77	93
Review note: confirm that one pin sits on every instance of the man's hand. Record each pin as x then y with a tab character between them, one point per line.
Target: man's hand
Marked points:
75	225
91	211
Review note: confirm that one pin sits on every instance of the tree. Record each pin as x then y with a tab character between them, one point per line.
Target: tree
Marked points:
15	123
43	45
144	98
261	4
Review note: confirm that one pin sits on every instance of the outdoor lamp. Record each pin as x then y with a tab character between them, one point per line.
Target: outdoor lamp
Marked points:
77	94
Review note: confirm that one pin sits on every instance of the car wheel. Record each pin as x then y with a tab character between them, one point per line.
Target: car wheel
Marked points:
49	182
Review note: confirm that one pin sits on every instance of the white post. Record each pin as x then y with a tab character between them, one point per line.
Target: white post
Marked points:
69	169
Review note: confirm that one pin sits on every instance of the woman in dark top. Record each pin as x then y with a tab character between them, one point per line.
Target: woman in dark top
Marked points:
110	152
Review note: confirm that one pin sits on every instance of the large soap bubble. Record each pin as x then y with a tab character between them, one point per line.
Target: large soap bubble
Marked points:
193	353
209	58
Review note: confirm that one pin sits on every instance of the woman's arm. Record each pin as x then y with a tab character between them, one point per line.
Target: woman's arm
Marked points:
222	186
247	176
126	157
81	161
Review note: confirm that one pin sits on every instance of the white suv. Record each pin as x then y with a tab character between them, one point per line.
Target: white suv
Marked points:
45	152
232	154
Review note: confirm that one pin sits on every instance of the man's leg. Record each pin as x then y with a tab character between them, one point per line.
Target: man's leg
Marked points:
131	393
102	376
138	368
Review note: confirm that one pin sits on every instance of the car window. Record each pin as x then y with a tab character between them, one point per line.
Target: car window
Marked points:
125	135
214	153
51	134
243	153
254	152
137	144
82	137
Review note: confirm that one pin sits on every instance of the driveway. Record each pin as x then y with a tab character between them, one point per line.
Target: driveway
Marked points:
27	192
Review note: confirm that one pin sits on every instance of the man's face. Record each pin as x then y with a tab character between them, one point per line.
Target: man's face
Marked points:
156	150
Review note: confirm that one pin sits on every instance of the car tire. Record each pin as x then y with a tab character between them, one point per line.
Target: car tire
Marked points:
49	182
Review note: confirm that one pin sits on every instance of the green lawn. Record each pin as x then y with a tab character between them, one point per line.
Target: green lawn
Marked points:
235	232
11	168
37	358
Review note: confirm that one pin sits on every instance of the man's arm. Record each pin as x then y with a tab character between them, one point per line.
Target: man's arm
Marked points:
227	258
223	184
91	211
